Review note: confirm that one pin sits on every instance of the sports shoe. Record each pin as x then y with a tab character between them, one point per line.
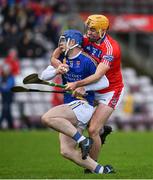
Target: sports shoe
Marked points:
107	131
85	146
108	169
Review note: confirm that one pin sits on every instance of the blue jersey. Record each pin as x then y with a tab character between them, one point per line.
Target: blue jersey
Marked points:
80	67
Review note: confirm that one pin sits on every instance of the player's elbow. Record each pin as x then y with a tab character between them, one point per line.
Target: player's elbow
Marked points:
47	120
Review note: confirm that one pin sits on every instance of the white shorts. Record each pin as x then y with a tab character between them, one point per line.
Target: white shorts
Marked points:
112	98
83	112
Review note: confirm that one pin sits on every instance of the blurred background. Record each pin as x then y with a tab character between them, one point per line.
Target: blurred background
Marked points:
29	32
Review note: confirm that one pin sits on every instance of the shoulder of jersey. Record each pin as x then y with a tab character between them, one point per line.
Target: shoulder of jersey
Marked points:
111	40
89	58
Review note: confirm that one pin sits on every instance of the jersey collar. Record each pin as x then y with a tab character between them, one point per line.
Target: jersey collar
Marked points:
73	57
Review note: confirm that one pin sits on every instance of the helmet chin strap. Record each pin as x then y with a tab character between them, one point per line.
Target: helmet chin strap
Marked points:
68	47
103	35
101	38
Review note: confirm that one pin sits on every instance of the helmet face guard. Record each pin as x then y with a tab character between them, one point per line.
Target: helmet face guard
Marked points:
70	39
62	43
62	40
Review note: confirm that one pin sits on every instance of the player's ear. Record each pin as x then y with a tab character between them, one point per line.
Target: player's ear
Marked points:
73	42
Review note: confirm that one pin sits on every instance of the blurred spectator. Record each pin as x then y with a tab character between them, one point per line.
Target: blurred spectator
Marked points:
74	21
29	48
13	36
65	18
10	16
22	21
140	108
128	104
13	61
17	22
7	81
51	29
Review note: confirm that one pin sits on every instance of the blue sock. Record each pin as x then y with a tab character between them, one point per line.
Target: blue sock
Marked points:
78	137
99	169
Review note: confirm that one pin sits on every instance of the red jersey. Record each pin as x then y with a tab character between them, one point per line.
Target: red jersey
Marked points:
109	53
14	64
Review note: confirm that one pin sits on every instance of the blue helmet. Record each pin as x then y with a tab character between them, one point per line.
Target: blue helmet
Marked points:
74	34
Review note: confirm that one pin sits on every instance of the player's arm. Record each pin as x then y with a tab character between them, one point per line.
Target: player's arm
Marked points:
102	83
50	72
100	72
55	62
56	67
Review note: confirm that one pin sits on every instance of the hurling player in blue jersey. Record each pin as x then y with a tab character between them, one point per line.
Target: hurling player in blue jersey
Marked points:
71	118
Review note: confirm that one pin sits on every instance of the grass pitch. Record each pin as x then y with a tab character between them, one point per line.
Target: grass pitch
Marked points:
35	154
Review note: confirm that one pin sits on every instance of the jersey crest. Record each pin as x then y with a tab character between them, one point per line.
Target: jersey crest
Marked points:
93	51
108	58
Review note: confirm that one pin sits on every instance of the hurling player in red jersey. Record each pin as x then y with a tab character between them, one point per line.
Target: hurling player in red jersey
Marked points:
106	51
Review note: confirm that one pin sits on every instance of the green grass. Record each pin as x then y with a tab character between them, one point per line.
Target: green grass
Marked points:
35	154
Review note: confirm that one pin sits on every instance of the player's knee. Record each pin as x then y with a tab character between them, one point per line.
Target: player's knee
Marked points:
44	119
66	153
93	131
